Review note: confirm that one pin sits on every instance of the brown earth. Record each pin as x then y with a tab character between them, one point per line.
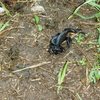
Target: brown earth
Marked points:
24	46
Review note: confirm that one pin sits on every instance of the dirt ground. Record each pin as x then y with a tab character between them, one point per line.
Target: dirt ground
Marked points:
24	46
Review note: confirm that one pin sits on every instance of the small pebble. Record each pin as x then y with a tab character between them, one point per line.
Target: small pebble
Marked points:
1	10
38	9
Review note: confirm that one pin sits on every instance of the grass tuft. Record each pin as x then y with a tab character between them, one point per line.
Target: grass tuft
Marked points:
61	76
3	25
94	4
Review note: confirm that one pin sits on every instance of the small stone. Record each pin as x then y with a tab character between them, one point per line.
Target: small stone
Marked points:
38	9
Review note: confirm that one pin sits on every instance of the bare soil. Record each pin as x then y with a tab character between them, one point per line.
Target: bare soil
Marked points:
24	46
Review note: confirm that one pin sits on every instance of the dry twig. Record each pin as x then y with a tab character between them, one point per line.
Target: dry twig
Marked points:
33	66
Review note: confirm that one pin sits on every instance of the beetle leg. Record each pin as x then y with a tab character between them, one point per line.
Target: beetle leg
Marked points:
68	41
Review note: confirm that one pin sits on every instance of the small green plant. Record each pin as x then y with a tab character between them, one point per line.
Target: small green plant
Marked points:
3	25
79	38
82	61
61	76
94	4
94	75
36	19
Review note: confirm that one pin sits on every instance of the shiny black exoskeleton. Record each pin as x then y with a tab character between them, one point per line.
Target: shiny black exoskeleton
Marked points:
56	41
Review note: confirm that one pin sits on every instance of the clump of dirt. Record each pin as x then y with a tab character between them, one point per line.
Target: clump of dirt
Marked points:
25	46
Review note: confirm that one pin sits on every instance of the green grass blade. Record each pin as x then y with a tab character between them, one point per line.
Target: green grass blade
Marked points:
88	17
6	10
62	73
1	24
91	2
77	9
94	4
4	26
61	76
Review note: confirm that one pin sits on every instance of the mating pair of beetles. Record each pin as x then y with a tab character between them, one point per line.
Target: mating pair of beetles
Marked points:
66	35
